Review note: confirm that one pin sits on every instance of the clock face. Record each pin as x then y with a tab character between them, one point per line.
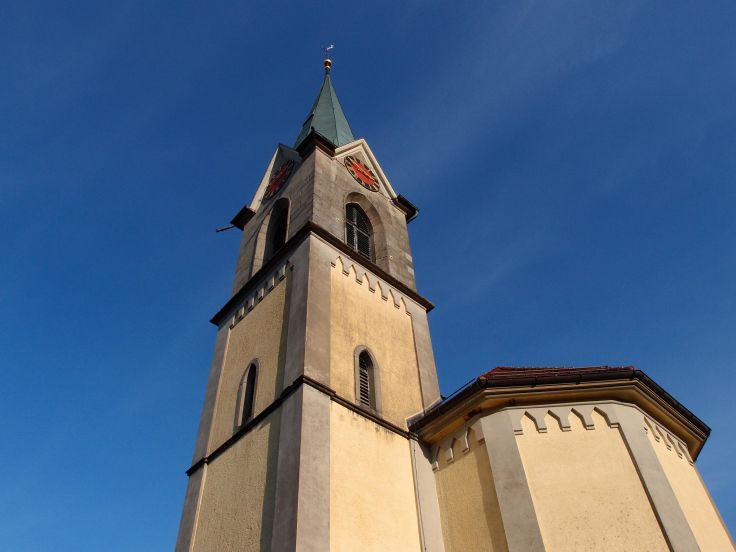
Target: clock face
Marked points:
279	177
361	173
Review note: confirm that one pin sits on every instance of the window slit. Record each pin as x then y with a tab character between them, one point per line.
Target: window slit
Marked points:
365	381
249	392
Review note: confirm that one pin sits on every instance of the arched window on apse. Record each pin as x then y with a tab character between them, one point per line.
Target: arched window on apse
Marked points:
358	230
277	225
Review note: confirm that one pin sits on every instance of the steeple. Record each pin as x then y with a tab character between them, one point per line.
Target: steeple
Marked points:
323	425
323	353
326	116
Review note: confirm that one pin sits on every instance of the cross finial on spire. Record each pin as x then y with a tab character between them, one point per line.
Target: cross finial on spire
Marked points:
327	61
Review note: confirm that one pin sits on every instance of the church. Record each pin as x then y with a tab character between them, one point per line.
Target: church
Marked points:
324	429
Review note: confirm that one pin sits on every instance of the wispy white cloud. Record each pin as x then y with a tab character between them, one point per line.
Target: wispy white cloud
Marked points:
491	268
503	64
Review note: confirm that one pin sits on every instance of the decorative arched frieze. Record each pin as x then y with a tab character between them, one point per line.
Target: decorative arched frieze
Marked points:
477	428
463	437
584	414
257	295
609	414
363	277
561	415
663	437
604	412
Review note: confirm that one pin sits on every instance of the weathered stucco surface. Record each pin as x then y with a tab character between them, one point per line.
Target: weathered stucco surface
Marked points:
468	504
236	507
334	187
260	335
694	500
372	501
361	317
585	488
298	190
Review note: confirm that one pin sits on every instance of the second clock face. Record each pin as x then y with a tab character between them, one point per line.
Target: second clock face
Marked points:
361	173
280	176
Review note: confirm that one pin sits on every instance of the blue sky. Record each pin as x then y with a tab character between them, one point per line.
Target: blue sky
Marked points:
573	162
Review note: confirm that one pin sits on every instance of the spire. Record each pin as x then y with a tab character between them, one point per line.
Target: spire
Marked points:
326	116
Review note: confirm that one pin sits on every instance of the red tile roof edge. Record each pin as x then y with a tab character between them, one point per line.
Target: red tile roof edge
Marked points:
514	372
508	376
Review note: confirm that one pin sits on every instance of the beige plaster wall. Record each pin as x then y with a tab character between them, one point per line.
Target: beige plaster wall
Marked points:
360	316
236	507
471	519
586	491
259	335
692	495
372	501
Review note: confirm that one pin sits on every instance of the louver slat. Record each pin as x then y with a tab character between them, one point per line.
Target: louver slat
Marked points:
364	380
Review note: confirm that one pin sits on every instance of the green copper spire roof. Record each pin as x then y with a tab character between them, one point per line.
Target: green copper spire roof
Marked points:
326	116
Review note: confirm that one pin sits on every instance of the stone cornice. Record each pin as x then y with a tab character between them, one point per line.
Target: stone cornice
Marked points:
272	265
477	398
285	394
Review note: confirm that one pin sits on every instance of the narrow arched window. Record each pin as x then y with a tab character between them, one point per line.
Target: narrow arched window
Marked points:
277	223
248	394
358	230
366	381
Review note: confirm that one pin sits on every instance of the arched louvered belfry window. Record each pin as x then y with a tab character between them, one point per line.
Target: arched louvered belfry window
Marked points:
358	230
277	223
248	394
366	381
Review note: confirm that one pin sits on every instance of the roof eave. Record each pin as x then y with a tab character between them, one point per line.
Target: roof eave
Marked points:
466	401
314	140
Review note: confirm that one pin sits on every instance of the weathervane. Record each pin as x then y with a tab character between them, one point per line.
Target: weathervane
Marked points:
327	61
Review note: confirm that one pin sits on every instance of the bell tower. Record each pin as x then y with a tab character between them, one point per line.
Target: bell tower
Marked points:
322	355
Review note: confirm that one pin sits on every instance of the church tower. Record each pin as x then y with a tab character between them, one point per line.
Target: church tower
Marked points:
323	428
322	356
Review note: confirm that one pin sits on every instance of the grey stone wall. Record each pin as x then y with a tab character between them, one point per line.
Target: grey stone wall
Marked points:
298	190
318	191
335	187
